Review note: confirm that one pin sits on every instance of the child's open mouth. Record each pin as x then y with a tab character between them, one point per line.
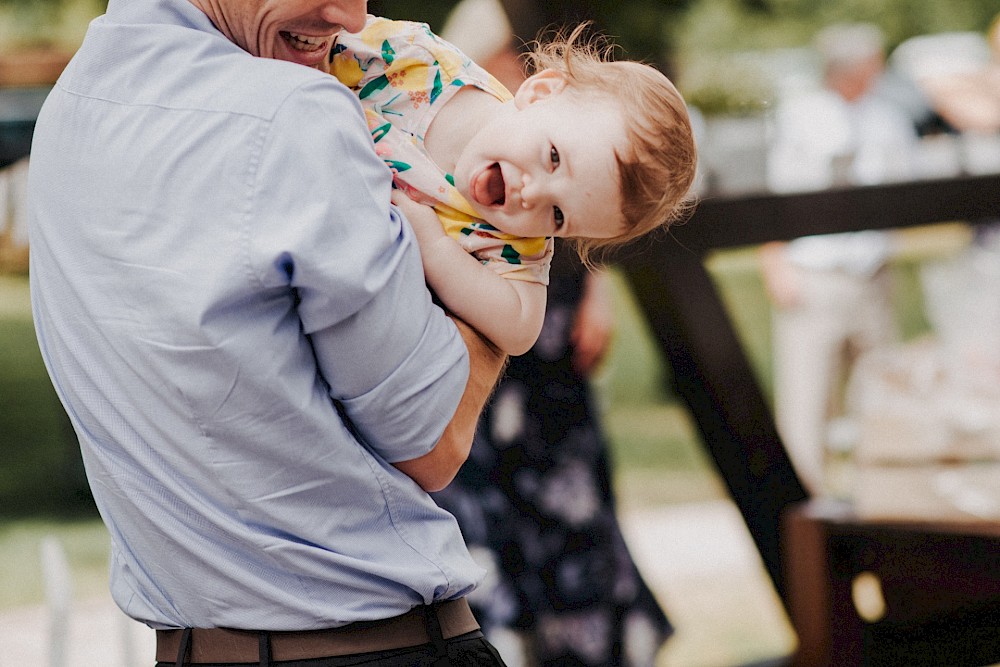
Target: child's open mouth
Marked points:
488	187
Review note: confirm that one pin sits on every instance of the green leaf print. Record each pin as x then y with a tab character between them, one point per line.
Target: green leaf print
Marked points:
388	55
379	132
436	89
374	86
398	166
512	256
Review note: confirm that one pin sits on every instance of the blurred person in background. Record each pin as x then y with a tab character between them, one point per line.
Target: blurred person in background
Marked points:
535	499
832	294
959	75
14	216
968	96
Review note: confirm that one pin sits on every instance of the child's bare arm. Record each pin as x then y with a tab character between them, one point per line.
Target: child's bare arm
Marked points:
508	312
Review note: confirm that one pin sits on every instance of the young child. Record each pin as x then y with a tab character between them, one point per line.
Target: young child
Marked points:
588	149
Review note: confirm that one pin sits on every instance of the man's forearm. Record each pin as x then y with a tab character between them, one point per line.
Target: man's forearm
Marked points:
435	470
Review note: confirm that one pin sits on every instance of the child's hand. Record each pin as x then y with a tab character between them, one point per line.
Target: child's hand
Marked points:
424	221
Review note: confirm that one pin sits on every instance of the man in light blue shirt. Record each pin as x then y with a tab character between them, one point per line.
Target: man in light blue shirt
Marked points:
237	323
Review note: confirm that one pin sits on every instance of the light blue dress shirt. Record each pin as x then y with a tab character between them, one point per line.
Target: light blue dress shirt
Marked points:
237	323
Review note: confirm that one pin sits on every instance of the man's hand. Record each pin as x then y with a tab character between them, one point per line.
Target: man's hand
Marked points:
781	279
594	324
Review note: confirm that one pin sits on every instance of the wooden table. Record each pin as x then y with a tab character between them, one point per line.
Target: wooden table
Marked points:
941	582
938	585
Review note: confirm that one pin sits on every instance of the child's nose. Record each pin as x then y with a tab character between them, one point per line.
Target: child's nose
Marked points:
530	192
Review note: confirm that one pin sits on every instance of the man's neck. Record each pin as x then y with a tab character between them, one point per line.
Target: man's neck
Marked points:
214	12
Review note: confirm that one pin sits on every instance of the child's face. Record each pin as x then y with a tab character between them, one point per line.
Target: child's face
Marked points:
546	165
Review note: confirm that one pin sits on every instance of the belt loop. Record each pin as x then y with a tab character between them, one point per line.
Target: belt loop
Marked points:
434	632
184	648
264	648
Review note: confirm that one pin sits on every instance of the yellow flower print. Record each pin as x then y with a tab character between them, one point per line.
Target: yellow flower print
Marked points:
347	70
419	97
377	31
409	74
451	63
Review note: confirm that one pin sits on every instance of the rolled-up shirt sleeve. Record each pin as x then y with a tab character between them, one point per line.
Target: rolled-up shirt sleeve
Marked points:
329	236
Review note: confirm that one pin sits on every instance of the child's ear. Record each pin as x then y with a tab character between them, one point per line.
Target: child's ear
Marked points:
539	86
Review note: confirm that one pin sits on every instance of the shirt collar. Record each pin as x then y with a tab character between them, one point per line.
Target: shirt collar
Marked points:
172	12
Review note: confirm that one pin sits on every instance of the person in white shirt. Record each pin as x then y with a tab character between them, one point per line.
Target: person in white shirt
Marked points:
832	295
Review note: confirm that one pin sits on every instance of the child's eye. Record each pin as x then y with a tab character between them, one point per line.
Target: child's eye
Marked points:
557	216
554	156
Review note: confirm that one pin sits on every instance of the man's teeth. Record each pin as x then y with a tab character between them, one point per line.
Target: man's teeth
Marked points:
306	43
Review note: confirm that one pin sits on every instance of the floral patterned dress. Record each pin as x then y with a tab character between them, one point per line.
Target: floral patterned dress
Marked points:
403	74
535	505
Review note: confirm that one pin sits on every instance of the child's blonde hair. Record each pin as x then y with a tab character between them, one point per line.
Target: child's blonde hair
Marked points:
657	170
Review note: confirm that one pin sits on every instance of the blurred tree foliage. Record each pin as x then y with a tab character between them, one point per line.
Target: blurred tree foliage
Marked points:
707	25
715	41
639	27
648	29
55	23
695	40
738	25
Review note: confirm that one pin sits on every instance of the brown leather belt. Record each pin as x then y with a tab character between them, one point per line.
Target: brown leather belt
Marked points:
222	645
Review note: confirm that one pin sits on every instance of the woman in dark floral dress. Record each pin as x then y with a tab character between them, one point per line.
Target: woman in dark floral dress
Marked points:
536	506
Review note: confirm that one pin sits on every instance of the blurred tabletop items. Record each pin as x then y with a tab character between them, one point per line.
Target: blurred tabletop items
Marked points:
947	83
25	78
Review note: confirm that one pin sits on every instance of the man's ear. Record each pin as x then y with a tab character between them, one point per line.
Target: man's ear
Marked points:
539	86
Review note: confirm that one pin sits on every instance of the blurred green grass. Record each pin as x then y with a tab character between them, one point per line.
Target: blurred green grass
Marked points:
42	474
84	540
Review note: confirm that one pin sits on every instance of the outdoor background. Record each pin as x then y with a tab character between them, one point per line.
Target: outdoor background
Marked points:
658	459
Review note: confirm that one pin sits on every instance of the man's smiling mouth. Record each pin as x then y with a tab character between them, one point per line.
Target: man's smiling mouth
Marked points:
304	42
